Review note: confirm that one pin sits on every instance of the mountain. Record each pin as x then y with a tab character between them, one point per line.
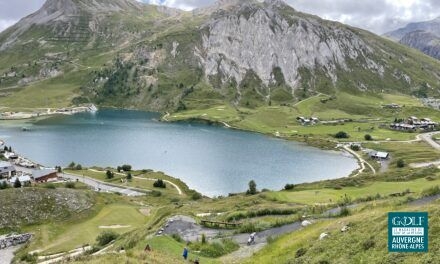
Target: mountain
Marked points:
248	53
424	36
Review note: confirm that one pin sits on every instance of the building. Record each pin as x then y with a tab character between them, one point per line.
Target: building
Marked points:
24	180
379	155
10	155
40	176
7	170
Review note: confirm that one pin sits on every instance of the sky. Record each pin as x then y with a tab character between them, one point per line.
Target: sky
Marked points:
378	16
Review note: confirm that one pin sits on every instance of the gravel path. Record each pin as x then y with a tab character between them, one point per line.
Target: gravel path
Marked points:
7	254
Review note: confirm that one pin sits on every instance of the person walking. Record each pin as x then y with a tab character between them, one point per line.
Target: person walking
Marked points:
185	253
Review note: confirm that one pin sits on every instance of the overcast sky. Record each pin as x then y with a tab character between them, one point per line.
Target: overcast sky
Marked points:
378	16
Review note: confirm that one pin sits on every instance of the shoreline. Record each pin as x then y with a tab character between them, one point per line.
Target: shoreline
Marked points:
42	113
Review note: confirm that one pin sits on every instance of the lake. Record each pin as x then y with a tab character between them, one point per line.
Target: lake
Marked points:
211	159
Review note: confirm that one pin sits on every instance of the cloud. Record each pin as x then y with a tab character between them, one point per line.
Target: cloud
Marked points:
378	16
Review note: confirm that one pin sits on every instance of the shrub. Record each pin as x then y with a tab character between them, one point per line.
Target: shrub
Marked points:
78	167
289	186
203	238
300	252
367	244
341	134
177	238
431	191
70	185
129	176
344	211
3	185
155	193
196	196
50	186
400	163
159	184
71	165
106	237
355	147
368	137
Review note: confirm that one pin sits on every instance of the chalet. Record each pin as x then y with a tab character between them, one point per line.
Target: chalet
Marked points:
40	176
379	155
403	127
7	170
24	180
307	121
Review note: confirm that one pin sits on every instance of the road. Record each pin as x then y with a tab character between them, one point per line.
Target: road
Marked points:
102	186
427	137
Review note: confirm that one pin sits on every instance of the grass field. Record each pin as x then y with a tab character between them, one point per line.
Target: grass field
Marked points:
328	196
59	237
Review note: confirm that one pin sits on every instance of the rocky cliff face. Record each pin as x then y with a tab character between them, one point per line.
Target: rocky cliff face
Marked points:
262	37
424	36
426	42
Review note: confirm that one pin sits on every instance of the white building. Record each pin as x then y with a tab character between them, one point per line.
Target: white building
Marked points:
7	170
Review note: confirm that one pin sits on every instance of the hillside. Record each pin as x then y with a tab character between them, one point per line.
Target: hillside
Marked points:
245	53
27	206
424	36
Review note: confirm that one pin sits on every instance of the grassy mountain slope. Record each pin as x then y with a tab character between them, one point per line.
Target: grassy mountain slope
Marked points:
148	57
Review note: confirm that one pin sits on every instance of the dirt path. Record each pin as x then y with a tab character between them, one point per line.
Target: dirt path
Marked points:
361	160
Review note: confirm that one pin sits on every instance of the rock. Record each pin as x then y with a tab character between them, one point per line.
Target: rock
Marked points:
345	228
323	236
305	223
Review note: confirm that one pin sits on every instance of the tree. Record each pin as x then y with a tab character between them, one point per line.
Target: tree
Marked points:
126	167
109	174
252	188
368	137
71	165
17	183
129	177
59	169
119	168
355	147
400	163
78	167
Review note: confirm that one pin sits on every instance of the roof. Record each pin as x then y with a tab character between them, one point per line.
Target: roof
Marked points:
36	174
5	164
21	179
382	155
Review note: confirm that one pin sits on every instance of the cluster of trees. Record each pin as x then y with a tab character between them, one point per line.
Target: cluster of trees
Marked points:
159	184
73	166
124	167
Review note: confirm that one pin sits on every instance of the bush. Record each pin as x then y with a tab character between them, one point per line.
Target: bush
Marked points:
203	238
50	186
289	186
3	185
155	193
106	237
368	137
71	165
196	196
344	211
300	252
129	176
126	167
215	249
341	134
159	184
400	163
355	147
431	191
78	167
70	185
367	244
177	238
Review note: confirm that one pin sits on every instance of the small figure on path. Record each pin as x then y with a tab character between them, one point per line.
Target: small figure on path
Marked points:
185	253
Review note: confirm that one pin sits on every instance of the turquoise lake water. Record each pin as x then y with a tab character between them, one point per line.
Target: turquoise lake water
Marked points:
211	159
